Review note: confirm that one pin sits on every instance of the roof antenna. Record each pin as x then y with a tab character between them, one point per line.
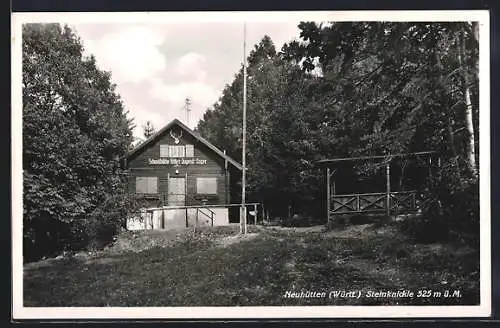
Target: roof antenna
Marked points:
187	104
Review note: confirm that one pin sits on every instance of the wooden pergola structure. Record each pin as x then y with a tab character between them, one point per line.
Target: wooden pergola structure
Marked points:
388	202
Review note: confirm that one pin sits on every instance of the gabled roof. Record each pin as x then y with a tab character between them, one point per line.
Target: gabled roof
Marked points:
195	135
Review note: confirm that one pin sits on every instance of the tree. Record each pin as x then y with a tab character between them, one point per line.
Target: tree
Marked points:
465	74
274	87
403	87
149	129
75	132
355	89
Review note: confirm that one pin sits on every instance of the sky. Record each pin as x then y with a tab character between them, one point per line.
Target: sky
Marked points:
159	59
155	66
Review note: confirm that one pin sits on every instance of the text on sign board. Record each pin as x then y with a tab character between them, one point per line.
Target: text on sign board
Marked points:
177	161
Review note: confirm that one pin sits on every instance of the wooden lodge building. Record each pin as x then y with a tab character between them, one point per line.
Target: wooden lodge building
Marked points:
181	179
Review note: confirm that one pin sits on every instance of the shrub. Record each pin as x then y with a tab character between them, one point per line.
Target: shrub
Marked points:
425	229
451	210
299	220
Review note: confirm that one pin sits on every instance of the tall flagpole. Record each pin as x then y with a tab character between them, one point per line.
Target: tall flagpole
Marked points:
243	219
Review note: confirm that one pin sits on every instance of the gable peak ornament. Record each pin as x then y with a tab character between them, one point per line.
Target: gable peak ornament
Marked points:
176	137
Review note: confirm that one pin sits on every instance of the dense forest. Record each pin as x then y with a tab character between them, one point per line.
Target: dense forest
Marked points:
75	132
358	89
339	90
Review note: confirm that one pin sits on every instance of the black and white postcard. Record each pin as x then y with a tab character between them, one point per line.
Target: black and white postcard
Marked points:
236	165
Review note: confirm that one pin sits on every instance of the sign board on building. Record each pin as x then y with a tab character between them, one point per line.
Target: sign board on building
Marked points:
177	161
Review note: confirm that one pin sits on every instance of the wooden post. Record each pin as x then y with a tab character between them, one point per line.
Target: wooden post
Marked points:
226	179
196	223
388	191
243	222
328	195
185	196
263	212
168	191
243	219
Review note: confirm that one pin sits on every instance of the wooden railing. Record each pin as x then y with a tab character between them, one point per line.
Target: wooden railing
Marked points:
399	202
197	204
210	215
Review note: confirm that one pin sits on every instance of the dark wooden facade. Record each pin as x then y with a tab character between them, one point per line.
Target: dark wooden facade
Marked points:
205	162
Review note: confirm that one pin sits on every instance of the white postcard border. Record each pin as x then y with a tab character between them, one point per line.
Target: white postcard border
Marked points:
482	310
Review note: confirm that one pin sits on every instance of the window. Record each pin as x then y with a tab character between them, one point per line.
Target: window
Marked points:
206	185
189	151
164	151
176	151
146	185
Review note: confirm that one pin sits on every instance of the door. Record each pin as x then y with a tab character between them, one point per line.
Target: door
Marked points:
176	191
176	218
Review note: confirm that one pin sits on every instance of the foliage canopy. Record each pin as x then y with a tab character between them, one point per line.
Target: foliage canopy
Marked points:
356	89
75	131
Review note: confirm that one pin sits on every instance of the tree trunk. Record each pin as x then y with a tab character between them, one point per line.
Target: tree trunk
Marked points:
403	165
468	104
475	32
449	126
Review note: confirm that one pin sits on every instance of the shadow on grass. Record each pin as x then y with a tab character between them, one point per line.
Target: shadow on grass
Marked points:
188	274
199	272
385	262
